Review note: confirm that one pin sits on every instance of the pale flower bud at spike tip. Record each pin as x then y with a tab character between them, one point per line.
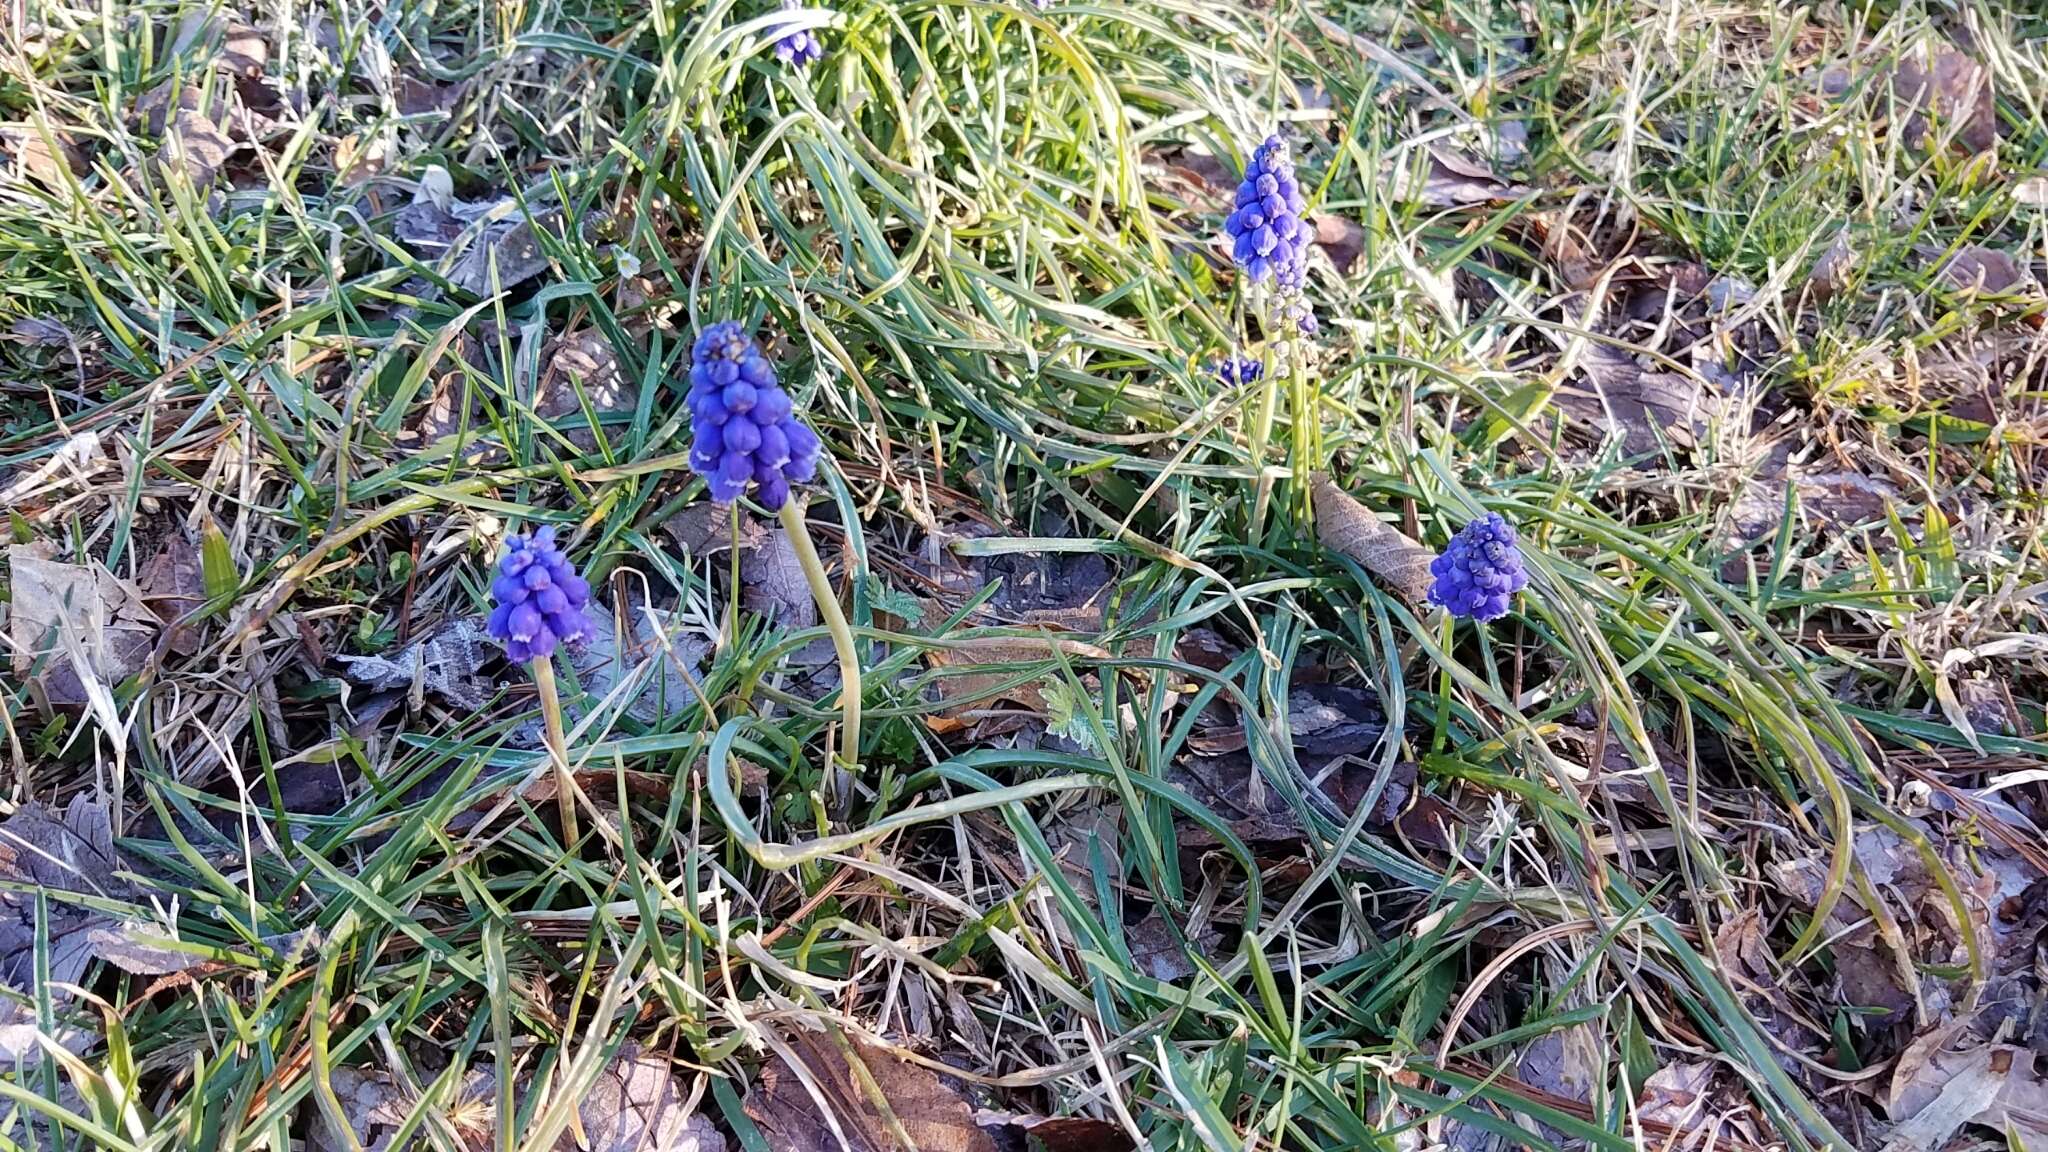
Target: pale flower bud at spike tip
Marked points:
745	428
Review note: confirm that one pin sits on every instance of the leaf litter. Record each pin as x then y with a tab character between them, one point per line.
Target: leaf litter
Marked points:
634	1106
824	1092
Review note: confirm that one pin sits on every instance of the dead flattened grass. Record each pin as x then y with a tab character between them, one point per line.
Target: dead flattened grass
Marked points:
1728	837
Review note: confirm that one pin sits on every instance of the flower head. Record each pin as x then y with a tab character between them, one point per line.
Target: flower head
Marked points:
800	47
745	429
537	598
1238	370
1479	574
1269	231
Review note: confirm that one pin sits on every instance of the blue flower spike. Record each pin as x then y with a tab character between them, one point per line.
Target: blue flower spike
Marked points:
1479	574
747	435
800	48
1269	229
537	599
537	605
744	428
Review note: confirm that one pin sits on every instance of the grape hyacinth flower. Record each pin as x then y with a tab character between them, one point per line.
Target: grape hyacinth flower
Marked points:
538	605
538	597
1239	370
747	435
800	47
1269	237
745	432
1479	574
1269	231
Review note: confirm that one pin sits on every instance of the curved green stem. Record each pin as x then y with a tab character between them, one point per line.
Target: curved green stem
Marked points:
792	516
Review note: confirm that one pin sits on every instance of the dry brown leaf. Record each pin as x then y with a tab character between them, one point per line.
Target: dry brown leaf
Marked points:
196	146
104	618
776	586
447	661
1333	727
705	529
1939	87
1158	954
1644	410
970	692
1976	269
1832	270
582	367
1340	237
70	852
1061	1133
173	586
1448	180
28	150
2032	191
1349	528
1832	500
1934	1092
480	243
857	1082
674	649
633	1107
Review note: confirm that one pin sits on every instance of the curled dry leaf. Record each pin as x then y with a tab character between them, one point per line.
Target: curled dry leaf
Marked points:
446	661
845	1111
1349	528
62	611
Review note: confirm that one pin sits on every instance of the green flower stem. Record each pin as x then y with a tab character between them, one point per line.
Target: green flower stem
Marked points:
793	526
558	745
1262	435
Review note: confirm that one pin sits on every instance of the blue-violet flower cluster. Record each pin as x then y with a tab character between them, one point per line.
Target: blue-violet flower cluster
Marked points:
1237	370
745	429
538	598
1269	231
1479	574
800	47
